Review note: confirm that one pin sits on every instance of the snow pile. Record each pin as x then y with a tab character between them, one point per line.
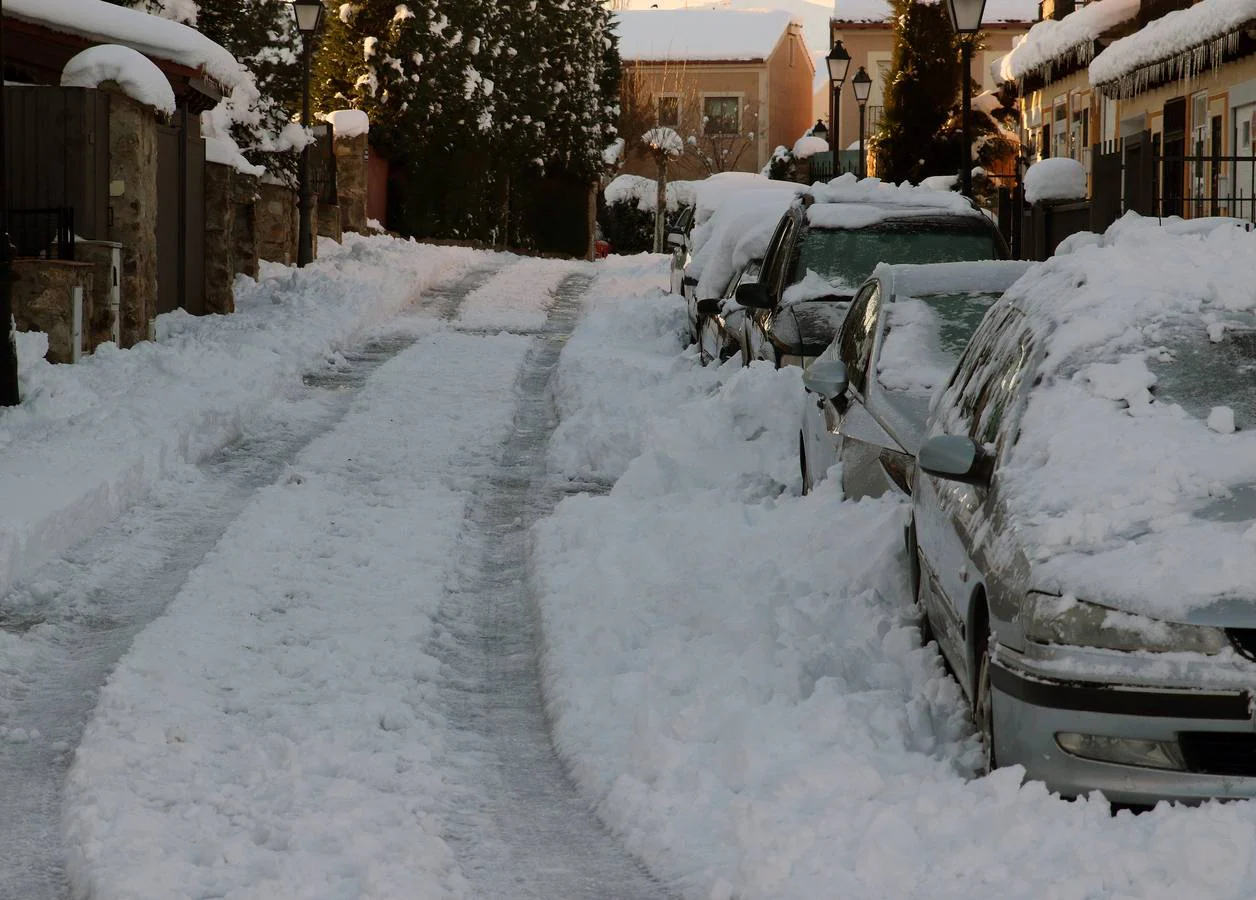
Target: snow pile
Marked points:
613	154
1208	28
1118	479
1059	41
133	72
808	145
643	192
349	123
737	232
699	34
940	182
99	433
710	193
1055	178
665	140
848	188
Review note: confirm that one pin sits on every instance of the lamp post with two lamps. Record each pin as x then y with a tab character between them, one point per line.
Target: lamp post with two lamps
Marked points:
862	86
966	22
309	14
838	62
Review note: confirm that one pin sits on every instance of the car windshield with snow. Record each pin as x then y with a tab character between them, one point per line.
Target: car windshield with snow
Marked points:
829	242
869	391
1085	520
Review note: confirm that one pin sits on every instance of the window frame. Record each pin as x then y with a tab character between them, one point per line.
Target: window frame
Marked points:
737	100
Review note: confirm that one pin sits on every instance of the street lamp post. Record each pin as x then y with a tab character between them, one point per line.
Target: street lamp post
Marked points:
9	393
862	85
966	22
309	15
838	62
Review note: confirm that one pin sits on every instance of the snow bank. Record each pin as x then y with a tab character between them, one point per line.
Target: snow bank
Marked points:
1072	38
1055	178
90	439
684	34
735	676
349	123
133	72
644	192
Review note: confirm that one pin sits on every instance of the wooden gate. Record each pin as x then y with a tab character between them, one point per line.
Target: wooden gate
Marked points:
181	215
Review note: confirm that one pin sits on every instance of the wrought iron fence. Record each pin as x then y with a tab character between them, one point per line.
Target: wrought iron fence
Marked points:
46	233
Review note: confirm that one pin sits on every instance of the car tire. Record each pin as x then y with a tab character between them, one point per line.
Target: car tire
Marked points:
983	703
808	483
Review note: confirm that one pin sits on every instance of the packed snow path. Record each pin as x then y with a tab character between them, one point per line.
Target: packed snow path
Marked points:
521	830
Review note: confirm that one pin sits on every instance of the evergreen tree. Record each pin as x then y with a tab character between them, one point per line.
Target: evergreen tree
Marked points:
920	95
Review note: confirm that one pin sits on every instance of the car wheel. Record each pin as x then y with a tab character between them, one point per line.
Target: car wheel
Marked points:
983	704
808	483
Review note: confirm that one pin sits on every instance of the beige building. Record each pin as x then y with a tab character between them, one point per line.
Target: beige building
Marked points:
733	84
865	30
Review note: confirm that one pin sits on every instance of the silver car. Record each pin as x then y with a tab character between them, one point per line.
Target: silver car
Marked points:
1081	661
868	393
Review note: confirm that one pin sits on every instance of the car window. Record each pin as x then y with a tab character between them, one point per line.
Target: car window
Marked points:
923	337
846	257
778	254
992	371
857	332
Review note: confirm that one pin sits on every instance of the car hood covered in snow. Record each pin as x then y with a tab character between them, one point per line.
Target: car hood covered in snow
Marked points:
1133	480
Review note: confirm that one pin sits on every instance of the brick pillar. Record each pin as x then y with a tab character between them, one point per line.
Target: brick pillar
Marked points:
244	225
220	265
351	181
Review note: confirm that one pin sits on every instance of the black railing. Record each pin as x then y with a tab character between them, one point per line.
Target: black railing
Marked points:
43	233
1206	185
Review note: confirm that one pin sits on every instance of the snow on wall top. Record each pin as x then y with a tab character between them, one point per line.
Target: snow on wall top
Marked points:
136	74
348	123
1054	40
692	34
151	35
997	11
1056	178
1207	22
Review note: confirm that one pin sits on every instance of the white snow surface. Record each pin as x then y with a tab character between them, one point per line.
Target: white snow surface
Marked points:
848	188
699	34
151	35
133	72
643	192
349	123
733	670
1170	35
738	231
1052	40
89	439
1112	484
515	299
1055	178
808	145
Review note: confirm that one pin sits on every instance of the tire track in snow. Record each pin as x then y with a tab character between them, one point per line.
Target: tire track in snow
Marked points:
521	831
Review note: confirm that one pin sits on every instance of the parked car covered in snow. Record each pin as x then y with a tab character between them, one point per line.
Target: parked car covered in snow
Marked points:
721	322
681	247
828	243
1085	518
869	391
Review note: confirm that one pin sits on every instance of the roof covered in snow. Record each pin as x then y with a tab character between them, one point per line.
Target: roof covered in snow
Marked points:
700	34
153	36
1207	30
1071	39
997	11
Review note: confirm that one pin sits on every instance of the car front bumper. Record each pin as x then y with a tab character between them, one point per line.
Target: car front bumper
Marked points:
1213	730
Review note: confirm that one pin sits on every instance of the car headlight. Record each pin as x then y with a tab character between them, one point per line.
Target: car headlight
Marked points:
1048	619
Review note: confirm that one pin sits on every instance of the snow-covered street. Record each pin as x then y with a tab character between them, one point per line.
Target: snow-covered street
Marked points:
438	573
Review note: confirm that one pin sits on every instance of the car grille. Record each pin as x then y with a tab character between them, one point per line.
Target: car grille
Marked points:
1244	640
1219	752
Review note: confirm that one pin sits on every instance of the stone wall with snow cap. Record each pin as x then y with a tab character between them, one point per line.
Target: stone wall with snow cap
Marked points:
349	123
137	76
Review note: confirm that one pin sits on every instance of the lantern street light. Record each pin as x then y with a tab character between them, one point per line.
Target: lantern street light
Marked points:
309	15
966	22
819	130
838	62
9	393
862	85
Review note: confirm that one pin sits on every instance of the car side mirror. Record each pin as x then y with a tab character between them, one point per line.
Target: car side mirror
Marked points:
955	457
754	295
675	240
826	378
709	306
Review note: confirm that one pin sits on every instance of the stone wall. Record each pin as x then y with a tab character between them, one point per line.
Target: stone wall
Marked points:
276	215
327	221
133	168
220	209
352	162
244	228
43	300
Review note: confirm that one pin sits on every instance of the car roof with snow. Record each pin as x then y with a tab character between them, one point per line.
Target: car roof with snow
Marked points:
849	202
1133	474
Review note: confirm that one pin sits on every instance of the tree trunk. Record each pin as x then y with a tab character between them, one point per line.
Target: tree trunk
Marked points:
660	209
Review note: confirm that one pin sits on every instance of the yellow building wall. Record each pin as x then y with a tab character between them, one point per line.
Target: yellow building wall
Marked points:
790	76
